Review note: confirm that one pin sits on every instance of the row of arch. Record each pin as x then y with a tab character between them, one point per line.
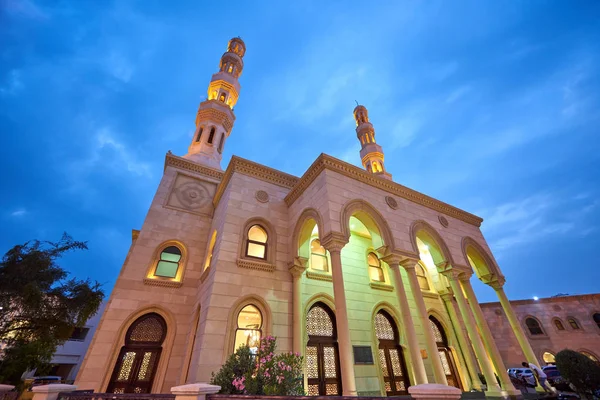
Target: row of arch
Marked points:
535	327
211	137
549	356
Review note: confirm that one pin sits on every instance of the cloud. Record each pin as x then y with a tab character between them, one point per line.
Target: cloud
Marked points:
13	83
19	212
106	140
119	67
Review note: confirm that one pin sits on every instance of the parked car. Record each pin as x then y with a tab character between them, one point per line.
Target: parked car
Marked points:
555	379
525	375
45	380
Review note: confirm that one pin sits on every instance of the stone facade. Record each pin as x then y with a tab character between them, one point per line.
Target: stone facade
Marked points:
556	331
220	246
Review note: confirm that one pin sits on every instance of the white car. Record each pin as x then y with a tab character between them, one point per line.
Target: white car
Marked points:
523	374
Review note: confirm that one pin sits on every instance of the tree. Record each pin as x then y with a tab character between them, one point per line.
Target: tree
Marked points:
40	305
578	369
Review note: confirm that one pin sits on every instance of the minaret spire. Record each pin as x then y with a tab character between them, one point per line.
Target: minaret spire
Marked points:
215	117
371	153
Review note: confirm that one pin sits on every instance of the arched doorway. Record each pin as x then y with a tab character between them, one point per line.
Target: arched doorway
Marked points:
391	360
445	353
138	359
322	355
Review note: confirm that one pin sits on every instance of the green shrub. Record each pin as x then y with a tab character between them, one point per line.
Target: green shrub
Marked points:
265	373
578	369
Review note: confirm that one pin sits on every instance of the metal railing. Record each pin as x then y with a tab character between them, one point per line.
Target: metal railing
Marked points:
9	395
90	395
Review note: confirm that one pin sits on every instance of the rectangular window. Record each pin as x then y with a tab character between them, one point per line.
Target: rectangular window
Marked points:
166	269
79	334
376	274
256	250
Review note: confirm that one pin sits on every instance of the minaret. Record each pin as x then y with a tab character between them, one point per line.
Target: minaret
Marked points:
215	115
371	153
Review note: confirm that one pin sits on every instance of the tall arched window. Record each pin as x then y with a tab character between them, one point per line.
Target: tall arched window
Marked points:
548	358
211	248
211	135
318	256
169	261
375	270
222	96
444	352
534	326
589	355
322	356
256	244
391	359
138	359
559	325
422	277
220	148
249	328
573	322
596	318
199	134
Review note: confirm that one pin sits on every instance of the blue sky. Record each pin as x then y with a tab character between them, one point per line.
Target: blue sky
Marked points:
493	107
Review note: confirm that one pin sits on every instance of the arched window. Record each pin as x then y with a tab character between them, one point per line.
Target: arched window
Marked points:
318	256
573	322
559	325
391	359
534	326
211	248
422	277
220	148
444	352
322	355
168	263
230	69
256	245
589	355
548	358
138	359
211	136
249	328
375	270
596	318
199	134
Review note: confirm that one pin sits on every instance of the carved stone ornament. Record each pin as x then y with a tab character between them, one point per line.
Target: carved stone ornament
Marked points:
262	196
443	221
391	202
192	195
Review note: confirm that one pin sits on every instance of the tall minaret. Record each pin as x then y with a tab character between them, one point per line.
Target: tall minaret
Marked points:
371	153
215	115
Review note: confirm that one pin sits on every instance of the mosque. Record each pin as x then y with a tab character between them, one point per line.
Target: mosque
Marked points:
369	280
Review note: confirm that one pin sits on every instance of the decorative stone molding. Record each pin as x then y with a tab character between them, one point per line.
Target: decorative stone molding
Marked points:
194	391
434	391
334	241
257	265
162	283
381	286
262	196
325	161
431	295
298	266
255	170
443	221
181	163
213	114
409	263
391	202
319	276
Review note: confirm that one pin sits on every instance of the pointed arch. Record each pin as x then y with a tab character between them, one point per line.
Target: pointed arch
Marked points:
480	260
375	222
167	344
422	226
305	224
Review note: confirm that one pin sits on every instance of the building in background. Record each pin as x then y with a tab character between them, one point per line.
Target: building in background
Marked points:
366	278
551	325
68	358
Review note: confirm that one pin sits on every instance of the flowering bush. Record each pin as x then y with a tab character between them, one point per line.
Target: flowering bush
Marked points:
266	374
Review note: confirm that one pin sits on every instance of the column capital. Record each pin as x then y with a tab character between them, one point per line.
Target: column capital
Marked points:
446	295
455	274
465	276
298	266
498	284
334	241
409	263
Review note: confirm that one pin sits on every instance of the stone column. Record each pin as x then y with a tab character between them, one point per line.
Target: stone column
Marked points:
438	369
297	268
470	362
493	390
194	391
408	327
50	392
514	323
487	337
334	242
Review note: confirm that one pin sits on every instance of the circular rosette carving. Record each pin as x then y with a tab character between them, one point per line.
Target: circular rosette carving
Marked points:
443	221
192	195
262	196
391	202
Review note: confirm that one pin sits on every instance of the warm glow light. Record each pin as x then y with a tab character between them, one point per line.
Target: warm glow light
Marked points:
536	298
